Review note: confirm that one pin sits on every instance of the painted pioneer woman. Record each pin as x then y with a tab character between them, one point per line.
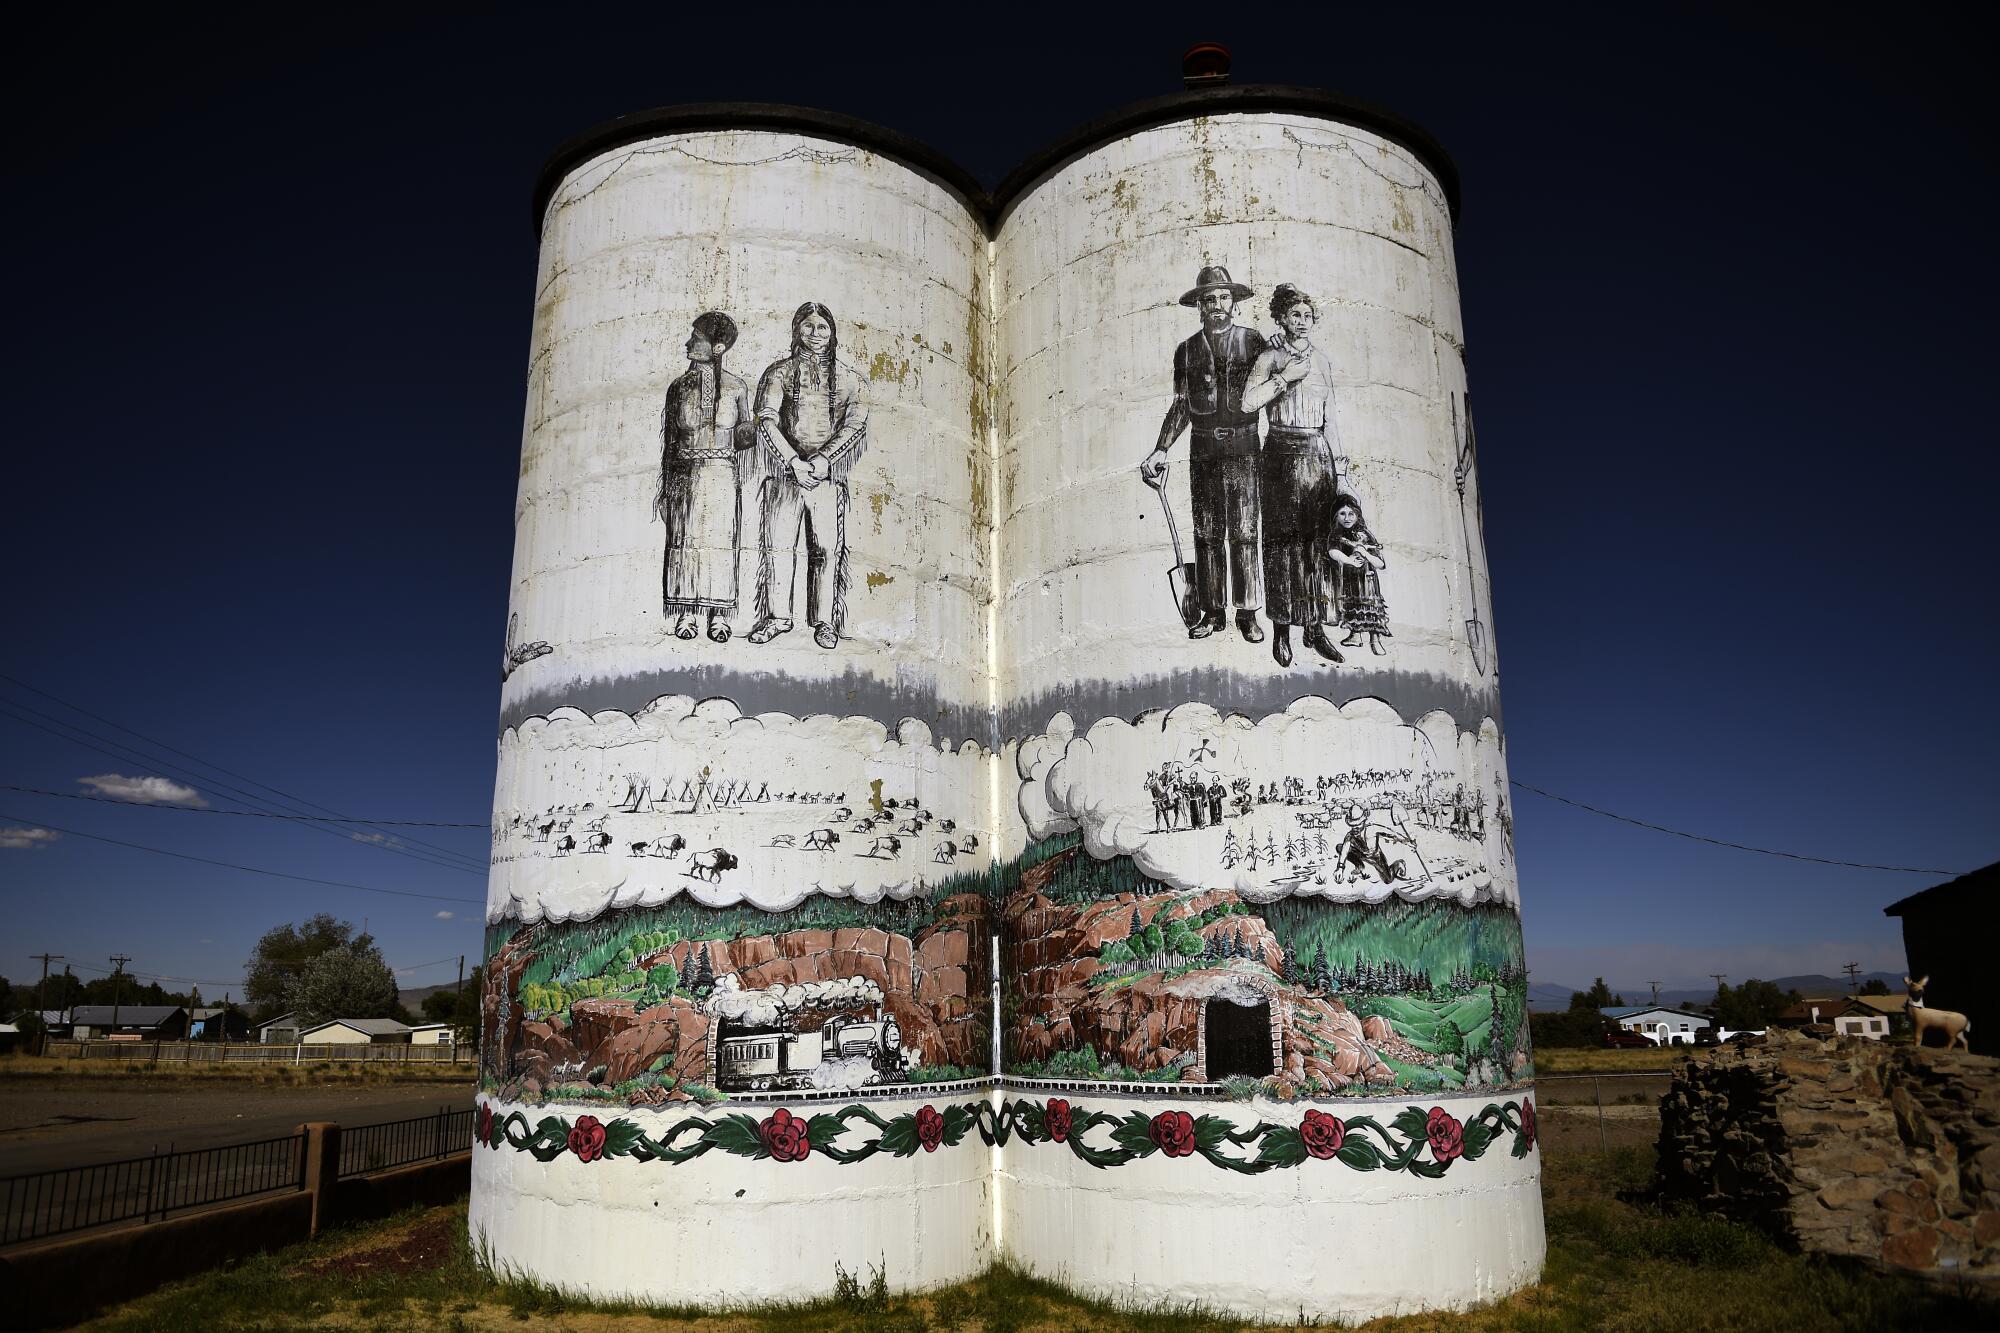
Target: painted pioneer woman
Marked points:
1299	471
705	428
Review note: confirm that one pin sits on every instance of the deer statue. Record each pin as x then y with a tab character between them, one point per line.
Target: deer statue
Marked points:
1923	1019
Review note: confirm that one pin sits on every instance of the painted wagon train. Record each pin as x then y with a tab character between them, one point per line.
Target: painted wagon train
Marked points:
778	1059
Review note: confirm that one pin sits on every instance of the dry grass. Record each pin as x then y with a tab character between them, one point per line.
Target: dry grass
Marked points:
1613	1265
313	1074
1600	1060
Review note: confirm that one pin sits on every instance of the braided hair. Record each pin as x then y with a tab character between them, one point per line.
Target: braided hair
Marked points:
719	332
799	350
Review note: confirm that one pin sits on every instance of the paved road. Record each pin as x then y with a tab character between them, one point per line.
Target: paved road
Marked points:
50	1123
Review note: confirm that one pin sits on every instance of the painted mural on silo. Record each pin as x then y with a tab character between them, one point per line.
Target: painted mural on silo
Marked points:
1259	910
737	935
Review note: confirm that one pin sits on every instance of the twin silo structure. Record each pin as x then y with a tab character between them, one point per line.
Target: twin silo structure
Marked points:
999	749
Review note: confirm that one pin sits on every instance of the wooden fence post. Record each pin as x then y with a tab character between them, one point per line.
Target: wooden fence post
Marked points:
321	1169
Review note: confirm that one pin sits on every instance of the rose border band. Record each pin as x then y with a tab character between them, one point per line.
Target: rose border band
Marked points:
1360	1142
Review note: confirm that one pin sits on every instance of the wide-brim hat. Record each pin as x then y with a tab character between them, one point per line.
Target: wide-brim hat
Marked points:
1211	278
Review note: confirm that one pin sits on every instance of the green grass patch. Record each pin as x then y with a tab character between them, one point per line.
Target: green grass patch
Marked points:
1613	1264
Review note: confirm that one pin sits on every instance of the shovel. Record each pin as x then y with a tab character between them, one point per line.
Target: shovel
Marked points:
1180	577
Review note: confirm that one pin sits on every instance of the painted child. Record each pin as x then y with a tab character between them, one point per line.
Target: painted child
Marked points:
1357	559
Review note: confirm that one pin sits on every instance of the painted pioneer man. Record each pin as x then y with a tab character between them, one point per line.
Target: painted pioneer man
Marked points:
705	429
1210	372
812	424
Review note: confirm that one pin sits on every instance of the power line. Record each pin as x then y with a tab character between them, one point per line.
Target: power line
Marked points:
1734	846
211	810
98	717
254	870
8	709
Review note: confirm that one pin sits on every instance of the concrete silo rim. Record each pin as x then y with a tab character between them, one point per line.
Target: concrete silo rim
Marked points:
991	208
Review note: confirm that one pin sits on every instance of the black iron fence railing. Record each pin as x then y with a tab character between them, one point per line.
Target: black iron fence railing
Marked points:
426	1138
145	1189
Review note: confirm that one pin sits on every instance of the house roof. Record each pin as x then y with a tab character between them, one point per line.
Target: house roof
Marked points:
273	1022
129	1015
1983	882
1634	1010
429	1027
374	1027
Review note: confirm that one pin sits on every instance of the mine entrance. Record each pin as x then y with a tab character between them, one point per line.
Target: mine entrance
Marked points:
1239	1040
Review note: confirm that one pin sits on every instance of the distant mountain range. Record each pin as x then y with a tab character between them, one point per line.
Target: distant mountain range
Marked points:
413	1000
1543	997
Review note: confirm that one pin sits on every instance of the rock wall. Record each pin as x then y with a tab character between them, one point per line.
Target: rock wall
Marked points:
1866	1150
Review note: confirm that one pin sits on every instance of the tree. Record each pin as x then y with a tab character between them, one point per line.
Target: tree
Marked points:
347	981
1754	1004
1874	986
284	951
1599	996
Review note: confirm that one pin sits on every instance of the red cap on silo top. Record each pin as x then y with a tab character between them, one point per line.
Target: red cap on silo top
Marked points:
1205	65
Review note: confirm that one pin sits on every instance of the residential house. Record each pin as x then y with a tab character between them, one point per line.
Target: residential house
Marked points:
218	1023
1849	1015
1666	1026
1947	930
282	1030
431	1034
129	1022
357	1032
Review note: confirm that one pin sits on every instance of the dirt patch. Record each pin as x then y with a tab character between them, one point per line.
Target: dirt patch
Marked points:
428	1245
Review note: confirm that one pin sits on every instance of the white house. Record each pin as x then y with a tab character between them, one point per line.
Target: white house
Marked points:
1666	1027
356	1032
1850	1016
431	1034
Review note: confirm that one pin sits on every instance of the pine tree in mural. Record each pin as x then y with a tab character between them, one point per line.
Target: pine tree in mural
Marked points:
1322	975
1231	852
701	972
1137	927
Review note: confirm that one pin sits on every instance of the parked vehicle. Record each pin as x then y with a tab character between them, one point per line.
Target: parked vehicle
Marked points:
1707	1036
1620	1039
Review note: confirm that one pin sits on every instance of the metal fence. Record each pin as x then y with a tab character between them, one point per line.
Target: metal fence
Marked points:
145	1189
426	1138
213	1053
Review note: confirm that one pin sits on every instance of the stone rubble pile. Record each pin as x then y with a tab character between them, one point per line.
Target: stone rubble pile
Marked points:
1867	1150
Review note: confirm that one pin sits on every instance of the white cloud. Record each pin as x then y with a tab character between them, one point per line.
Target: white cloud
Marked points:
151	791
444	914
1097	782
18	839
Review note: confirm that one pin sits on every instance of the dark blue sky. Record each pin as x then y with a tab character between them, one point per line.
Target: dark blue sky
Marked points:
1728	313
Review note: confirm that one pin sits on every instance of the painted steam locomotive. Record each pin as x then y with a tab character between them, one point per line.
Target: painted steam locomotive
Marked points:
777	1059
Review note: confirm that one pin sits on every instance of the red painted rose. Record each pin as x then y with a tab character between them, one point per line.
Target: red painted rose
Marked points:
1174	1132
586	1138
1323	1133
1447	1136
1055	1119
1528	1120
930	1128
785	1136
485	1131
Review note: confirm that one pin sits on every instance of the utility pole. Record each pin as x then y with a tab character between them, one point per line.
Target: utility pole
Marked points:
42	990
457	1007
1656	993
1718	982
1851	969
118	961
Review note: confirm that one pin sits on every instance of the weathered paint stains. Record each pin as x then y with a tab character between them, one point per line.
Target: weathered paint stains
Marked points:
886	367
877	579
